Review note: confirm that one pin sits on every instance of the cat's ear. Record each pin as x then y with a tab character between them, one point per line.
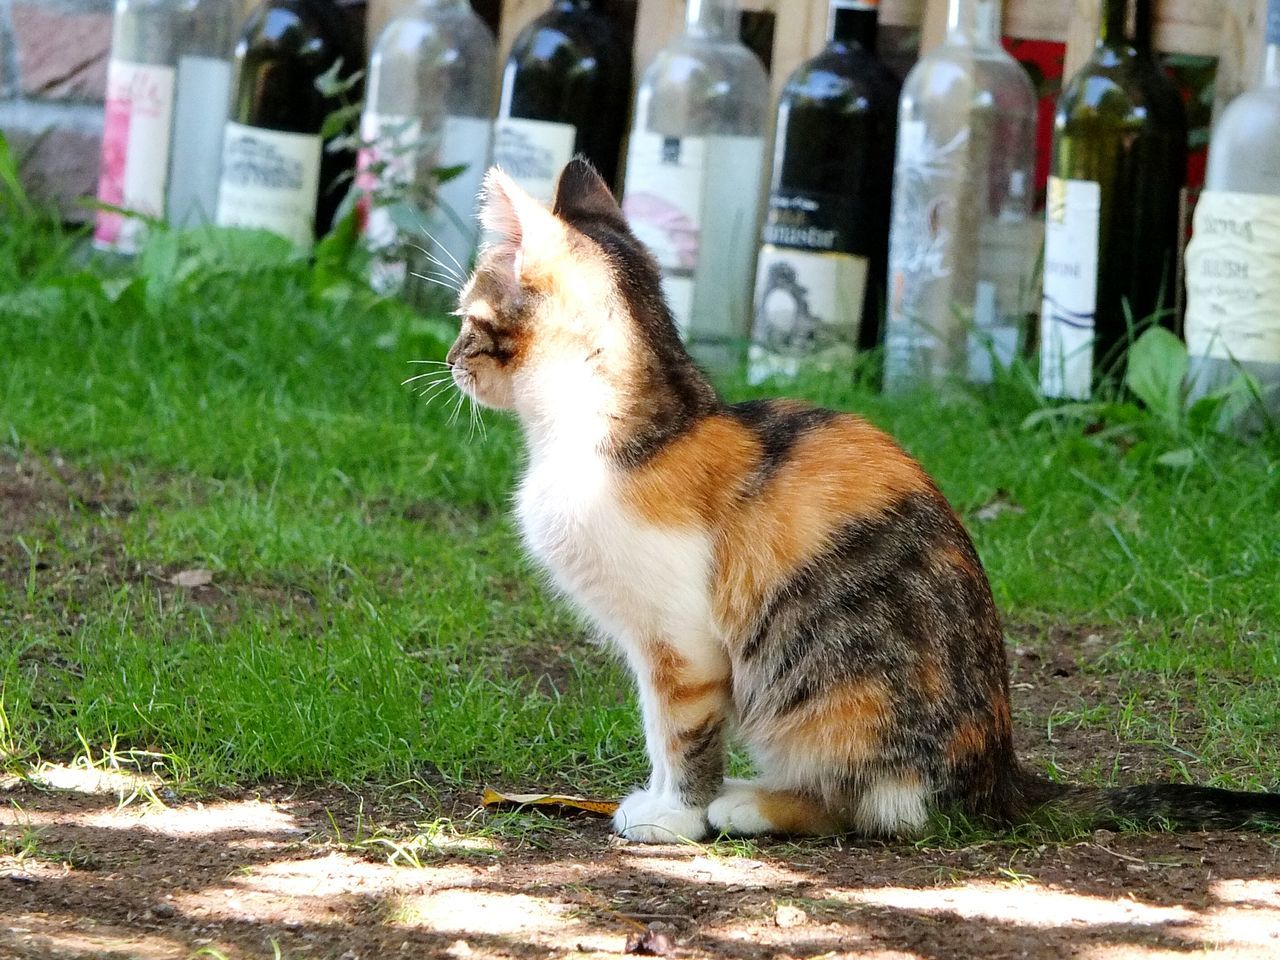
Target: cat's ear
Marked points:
509	214
581	193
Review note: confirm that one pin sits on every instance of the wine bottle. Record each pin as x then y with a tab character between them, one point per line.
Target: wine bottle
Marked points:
695	170
565	90
1111	233
1233	263
430	92
277	173
200	112
821	274
965	171
138	126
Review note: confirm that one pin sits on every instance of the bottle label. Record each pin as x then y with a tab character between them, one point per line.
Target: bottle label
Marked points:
270	181
1070	306
693	202
199	119
809	290
135	151
533	152
396	178
663	204
1233	278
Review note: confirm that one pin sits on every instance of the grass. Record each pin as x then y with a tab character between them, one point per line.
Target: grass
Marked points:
226	406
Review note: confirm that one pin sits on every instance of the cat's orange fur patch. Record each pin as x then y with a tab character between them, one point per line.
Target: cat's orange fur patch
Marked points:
845	723
956	558
929	678
971	739
795	813
837	472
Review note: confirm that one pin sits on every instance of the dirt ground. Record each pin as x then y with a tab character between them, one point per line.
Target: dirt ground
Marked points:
302	871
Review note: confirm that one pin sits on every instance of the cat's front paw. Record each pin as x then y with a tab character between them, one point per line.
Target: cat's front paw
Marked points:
656	818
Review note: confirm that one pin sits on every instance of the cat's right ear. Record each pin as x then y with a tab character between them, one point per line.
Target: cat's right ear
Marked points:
510	215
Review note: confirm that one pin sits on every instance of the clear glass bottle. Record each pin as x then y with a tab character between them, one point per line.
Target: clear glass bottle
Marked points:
430	95
821	274
963	243
565	90
138	127
1233	262
694	177
200	113
1112	223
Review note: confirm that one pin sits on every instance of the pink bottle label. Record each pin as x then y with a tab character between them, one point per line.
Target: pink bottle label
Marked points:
136	136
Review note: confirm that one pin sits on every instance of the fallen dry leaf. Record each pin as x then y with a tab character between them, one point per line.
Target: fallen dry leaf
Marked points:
999	504
192	578
597	808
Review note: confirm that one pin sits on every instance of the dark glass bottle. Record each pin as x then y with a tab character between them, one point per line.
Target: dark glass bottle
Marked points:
277	173
566	89
1111	236
822	273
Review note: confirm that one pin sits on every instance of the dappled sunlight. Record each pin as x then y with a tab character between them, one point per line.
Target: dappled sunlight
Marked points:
201	819
90	779
683	864
1024	904
488	913
44	935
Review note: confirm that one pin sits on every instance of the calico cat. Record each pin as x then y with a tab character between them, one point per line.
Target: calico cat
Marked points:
782	570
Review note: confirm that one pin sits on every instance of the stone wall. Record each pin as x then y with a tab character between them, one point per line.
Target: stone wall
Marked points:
53	70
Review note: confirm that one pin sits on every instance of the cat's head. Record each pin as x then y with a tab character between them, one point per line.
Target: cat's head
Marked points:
564	317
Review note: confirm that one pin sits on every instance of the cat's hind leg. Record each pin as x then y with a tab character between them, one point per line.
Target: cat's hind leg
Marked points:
747	808
882	805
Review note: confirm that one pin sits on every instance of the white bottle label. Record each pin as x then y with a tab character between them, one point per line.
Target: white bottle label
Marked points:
533	152
693	201
1069	312
663	204
806	311
1233	278
270	181
135	150
199	119
397	168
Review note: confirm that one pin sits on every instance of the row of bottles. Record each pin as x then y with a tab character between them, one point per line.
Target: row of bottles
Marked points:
911	208
200	127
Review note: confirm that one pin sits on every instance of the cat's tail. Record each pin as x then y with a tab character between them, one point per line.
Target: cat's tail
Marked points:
1177	806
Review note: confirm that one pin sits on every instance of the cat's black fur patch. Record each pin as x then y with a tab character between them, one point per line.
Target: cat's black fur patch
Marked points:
778	427
672	394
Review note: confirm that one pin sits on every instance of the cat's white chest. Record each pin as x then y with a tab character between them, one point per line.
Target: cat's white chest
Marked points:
634	579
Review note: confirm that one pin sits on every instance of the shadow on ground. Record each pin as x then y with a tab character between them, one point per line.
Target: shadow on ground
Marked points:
81	876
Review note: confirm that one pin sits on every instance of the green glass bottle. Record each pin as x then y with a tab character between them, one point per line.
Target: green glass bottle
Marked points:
278	172
1111	238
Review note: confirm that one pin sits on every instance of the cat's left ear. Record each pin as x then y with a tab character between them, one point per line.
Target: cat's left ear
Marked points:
582	194
509	213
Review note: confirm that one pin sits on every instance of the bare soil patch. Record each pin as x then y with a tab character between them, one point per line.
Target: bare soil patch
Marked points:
82	876
306	872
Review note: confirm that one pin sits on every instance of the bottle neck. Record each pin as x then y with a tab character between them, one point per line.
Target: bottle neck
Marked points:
1271	61
974	23
1113	32
854	21
712	18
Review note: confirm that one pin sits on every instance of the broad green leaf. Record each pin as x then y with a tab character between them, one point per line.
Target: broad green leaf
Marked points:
1157	368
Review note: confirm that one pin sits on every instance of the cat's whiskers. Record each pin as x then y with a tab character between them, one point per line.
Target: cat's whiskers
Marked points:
443	249
436	261
422	376
440	283
434	392
451	282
